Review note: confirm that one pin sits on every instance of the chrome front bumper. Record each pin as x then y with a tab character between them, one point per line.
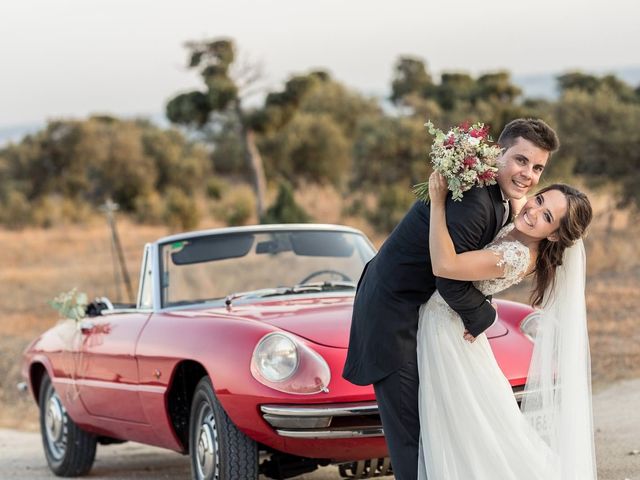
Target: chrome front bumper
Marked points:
344	420
330	421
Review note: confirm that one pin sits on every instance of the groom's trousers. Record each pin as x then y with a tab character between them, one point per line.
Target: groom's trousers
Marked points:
397	397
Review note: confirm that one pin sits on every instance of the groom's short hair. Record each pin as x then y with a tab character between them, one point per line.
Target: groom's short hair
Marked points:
532	129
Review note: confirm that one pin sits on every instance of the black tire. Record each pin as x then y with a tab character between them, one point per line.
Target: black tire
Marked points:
218	450
70	451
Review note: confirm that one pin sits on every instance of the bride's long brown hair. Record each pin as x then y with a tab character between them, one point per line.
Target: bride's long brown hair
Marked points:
572	227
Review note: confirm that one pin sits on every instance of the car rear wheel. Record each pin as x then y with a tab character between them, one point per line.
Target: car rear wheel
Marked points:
70	451
218	450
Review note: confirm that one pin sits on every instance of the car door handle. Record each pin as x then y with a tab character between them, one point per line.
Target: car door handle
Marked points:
86	327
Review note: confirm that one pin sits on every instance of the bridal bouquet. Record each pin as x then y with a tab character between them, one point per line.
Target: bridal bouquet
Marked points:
71	305
465	156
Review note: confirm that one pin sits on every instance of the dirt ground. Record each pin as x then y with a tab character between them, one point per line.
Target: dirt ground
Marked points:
616	419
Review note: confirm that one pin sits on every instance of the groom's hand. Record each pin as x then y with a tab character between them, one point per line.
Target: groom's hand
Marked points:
470	338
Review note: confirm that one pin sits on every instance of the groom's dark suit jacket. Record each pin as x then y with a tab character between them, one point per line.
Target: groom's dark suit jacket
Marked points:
399	279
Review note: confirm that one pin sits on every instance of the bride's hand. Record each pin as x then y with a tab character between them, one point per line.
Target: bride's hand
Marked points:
437	188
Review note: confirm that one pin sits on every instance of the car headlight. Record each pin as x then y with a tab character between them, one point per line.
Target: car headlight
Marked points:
284	363
276	357
529	326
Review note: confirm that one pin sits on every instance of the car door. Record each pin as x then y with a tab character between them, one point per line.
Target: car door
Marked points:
107	374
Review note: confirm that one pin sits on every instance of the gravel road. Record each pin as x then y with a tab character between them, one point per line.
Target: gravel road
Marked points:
617	419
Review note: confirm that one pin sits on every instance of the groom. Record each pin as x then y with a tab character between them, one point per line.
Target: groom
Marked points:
393	285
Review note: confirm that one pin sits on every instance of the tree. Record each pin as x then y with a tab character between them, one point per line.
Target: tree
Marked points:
80	163
410	77
578	81
457	96
591	84
344	106
600	137
496	86
455	88
222	93
390	150
310	147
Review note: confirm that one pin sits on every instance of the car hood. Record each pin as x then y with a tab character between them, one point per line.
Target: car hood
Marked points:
325	320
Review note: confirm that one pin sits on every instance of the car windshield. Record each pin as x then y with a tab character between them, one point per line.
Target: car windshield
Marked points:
212	267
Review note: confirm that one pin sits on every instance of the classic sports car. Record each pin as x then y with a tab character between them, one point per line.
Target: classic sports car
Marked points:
232	354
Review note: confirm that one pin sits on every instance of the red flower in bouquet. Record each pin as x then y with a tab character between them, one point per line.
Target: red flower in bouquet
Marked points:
450	141
487	176
470	162
481	132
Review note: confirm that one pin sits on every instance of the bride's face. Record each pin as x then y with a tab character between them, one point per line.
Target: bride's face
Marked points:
540	216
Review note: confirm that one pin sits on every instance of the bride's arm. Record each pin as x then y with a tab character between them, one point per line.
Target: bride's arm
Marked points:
445	262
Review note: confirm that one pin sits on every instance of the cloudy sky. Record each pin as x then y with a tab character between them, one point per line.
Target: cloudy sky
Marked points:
62	58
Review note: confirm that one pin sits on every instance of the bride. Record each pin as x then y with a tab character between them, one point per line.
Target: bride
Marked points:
471	426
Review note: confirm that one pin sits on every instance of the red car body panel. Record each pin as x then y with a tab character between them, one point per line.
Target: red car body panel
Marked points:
114	377
128	361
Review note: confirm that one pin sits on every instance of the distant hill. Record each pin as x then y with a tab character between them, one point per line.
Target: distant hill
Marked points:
545	86
17	132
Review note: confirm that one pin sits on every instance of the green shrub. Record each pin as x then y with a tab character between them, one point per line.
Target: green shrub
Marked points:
75	211
215	188
285	209
354	207
237	207
311	148
16	212
46	212
149	208
393	203
181	211
51	210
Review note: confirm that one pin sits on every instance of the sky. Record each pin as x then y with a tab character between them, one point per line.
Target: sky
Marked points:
71	58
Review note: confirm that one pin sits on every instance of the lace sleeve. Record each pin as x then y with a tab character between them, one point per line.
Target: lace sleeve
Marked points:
513	257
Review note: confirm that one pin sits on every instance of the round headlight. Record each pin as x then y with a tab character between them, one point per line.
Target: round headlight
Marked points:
529	326
276	357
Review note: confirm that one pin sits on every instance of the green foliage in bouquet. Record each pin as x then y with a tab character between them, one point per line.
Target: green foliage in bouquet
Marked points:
71	304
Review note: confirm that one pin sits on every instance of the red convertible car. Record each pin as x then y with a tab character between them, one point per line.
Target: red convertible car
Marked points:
233	355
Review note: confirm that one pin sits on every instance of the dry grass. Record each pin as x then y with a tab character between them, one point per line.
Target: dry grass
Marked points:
35	265
38	264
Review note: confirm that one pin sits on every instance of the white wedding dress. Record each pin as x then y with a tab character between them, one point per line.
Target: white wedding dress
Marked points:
471	426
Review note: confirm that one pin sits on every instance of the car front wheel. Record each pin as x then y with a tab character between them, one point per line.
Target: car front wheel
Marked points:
69	450
218	450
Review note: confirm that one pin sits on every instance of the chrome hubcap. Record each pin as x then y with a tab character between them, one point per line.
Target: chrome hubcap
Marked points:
207	448
55	423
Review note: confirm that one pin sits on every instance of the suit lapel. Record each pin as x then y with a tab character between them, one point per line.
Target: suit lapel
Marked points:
496	200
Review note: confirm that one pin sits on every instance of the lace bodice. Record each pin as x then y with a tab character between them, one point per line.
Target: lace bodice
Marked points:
511	254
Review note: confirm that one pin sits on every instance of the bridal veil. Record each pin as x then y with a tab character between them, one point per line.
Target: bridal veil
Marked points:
557	399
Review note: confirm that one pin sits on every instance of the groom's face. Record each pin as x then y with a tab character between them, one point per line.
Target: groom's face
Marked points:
520	167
